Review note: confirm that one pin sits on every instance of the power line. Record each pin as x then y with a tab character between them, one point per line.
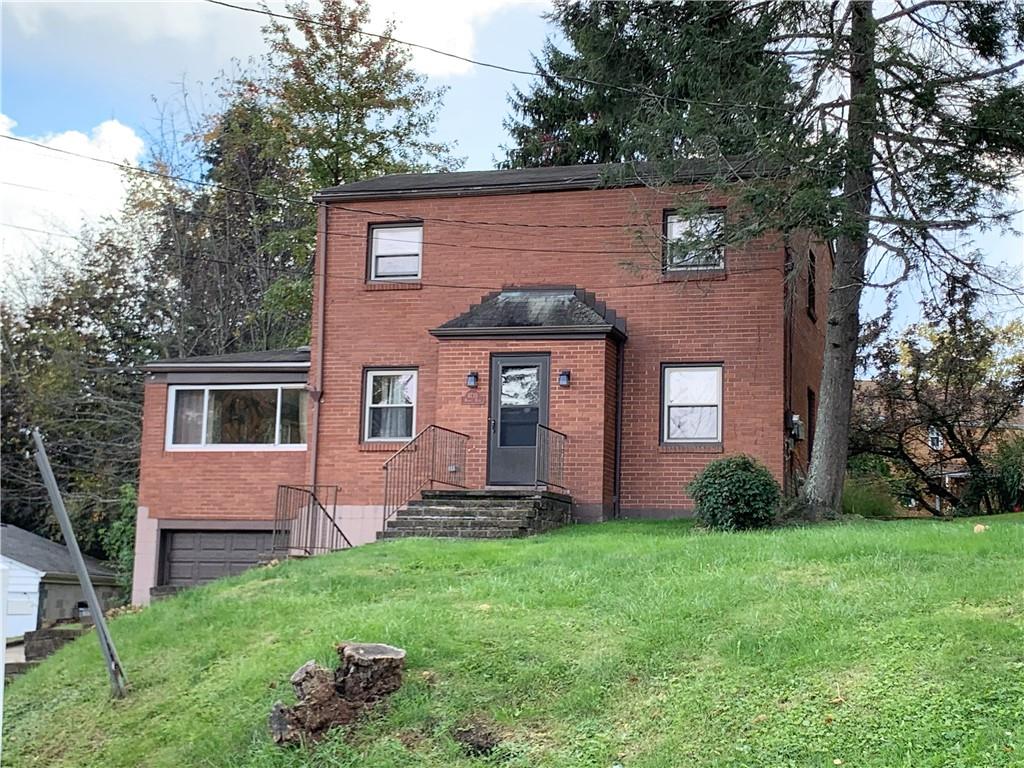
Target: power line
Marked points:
465	59
297	201
568	78
40	231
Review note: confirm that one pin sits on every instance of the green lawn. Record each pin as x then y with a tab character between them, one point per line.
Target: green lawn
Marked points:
642	644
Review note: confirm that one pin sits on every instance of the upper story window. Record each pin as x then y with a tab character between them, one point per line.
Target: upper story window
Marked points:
694	242
236	417
396	251
935	441
390	405
812	284
692	404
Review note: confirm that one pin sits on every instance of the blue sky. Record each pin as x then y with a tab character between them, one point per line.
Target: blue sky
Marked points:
88	76
69	69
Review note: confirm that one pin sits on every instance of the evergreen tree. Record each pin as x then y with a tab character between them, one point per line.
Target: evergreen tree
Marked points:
615	95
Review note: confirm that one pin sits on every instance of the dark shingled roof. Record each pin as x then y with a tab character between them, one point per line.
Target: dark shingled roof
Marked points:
552	179
550	312
45	555
276	359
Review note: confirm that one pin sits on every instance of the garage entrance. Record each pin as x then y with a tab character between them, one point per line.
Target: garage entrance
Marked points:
189	558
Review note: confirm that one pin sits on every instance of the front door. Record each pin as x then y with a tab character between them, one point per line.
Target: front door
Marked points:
519	402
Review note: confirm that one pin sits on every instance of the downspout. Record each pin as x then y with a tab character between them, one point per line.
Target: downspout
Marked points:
788	446
319	271
620	366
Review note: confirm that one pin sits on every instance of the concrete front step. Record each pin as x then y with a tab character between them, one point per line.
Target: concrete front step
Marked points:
463	521
474	503
437	510
454	533
479	514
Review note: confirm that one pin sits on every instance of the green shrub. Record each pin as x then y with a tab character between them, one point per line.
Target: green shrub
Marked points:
1007	466
119	538
867	498
735	493
881	472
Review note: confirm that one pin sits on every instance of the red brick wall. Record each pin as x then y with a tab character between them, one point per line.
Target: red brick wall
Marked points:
209	485
577	410
807	338
610	410
737	321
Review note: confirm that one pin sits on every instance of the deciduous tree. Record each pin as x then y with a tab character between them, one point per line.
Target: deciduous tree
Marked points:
942	396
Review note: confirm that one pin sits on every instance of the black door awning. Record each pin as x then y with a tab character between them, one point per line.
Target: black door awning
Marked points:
546	312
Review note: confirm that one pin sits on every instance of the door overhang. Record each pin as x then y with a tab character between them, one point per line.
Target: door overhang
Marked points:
535	313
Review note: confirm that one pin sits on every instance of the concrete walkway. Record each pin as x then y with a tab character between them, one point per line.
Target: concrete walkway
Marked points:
14	653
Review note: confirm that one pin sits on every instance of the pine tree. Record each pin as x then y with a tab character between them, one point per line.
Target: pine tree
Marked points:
615	95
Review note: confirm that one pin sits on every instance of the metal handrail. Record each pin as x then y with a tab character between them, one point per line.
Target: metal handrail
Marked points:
302	523
549	461
435	455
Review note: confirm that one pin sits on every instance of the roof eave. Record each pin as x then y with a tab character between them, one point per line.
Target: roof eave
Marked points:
329	196
340	194
161	367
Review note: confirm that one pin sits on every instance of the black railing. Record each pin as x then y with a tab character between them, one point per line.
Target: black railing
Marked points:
550	467
435	455
305	521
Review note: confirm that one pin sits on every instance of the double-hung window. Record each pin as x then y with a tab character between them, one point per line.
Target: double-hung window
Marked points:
935	441
691	404
237	417
694	242
396	251
390	405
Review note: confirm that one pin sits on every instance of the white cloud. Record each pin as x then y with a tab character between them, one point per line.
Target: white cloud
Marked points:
55	193
208	36
448	26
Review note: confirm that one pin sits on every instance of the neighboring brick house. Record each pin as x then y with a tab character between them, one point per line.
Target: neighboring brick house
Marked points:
566	287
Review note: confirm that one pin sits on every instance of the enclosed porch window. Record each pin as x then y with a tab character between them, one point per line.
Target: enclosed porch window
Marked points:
237	417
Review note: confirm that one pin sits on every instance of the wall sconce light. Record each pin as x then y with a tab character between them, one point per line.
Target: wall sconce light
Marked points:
563	378
472	379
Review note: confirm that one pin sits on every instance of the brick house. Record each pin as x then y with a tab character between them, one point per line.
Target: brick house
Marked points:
469	308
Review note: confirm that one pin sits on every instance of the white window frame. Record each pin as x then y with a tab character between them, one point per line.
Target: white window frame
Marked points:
666	370
368	397
935	439
675	218
172	396
374	229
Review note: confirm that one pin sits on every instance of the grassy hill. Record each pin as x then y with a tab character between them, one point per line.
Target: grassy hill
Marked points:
646	645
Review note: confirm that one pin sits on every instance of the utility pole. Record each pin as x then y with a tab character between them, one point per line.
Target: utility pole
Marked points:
118	681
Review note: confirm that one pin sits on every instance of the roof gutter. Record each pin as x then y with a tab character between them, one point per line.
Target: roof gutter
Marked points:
228	367
584	182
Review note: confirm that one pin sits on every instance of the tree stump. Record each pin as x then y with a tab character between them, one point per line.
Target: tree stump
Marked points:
367	673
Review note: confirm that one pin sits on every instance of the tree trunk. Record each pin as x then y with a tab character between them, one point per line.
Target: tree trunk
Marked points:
823	490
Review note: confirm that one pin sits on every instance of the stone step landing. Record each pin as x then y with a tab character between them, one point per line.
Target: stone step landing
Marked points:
480	514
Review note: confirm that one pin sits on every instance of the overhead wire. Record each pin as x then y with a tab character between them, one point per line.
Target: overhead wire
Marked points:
398	285
567	78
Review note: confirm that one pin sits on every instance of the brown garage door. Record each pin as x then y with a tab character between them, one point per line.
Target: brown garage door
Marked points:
196	557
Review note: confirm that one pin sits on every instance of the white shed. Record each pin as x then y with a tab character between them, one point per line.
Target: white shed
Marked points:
41	585
21	598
